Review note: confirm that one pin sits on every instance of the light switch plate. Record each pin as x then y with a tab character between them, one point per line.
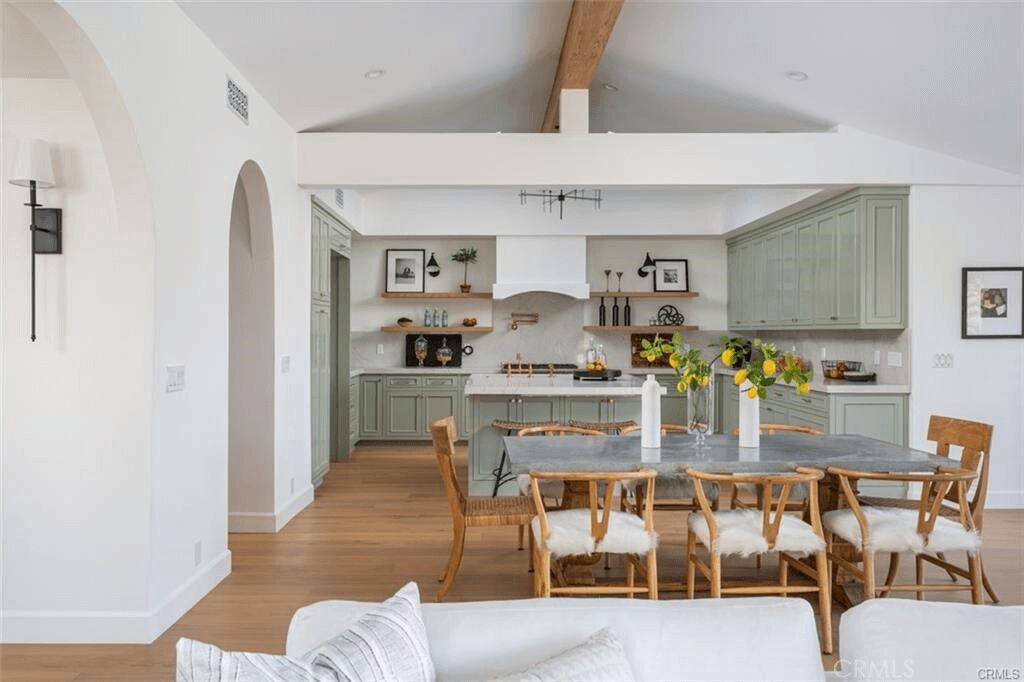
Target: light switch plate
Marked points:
380	349
286	364
878	357
895	359
175	378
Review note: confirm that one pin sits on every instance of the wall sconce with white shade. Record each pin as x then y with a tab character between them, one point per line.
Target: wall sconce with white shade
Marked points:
33	169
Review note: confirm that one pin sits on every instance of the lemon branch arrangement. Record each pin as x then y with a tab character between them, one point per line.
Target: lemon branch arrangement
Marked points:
759	364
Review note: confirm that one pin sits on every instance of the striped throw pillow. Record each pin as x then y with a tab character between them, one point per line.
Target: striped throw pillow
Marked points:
388	643
600	659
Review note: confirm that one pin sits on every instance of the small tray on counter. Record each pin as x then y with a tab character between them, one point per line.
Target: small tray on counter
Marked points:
862	377
596	374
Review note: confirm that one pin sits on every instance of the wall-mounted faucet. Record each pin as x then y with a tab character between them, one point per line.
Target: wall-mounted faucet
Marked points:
524	318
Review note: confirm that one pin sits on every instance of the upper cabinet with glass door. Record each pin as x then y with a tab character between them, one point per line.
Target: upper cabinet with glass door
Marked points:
839	265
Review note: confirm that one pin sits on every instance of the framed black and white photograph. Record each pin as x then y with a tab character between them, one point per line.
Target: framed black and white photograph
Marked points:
671	274
404	270
992	303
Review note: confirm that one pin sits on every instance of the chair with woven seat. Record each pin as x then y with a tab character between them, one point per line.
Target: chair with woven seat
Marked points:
595	529
921	531
768	529
470	511
975	440
610	428
501	474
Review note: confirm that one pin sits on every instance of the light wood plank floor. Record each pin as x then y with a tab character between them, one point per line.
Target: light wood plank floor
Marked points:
378	522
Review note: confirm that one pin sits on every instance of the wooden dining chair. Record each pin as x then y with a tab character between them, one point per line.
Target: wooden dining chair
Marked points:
921	531
596	528
673	492
609	428
798	496
975	441
470	511
665	429
768	529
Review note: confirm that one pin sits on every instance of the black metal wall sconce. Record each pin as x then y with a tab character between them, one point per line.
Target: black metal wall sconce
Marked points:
433	269
33	169
648	266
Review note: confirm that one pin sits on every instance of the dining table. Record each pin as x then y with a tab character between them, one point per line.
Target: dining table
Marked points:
719	453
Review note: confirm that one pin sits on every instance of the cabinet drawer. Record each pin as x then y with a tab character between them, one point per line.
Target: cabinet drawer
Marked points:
447	382
780	395
815	402
815	420
403	381
773	414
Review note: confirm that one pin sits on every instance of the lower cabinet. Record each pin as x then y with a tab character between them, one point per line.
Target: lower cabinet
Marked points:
403	406
371	407
353	412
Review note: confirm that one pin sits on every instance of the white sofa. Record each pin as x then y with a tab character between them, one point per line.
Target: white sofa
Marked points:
765	638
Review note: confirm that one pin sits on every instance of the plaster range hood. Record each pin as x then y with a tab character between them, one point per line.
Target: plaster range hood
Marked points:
556	265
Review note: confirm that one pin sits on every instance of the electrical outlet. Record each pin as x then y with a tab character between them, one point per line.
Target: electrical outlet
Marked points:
198	552
380	349
943	361
824	353
286	364
175	378
894	358
878	357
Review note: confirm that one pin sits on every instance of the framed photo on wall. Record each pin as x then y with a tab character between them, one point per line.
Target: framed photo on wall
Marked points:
403	270
671	274
992	303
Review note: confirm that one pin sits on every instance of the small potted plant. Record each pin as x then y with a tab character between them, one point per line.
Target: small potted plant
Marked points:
465	256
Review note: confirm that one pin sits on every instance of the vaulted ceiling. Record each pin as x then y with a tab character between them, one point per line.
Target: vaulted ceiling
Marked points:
945	76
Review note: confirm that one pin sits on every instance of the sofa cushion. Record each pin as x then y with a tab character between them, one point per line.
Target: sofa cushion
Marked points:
763	638
599	659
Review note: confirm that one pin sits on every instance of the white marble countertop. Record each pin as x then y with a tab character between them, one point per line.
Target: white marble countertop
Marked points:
848	387
417	370
561	384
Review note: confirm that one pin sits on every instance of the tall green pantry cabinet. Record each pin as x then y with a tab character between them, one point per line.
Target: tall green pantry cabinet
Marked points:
330	414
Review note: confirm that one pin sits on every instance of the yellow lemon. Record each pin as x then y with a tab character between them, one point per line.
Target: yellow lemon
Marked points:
752	392
704	381
803	388
674	361
681	386
768	366
740	377
728	356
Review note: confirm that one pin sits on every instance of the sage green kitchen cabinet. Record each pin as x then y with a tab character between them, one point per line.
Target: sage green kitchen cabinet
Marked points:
371	407
353	412
839	265
320	244
729	406
438	404
485	441
320	397
403	413
673	403
586	409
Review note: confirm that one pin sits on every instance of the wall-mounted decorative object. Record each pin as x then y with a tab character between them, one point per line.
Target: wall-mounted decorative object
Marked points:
636	347
430	346
647	267
669	316
33	169
671	274
550	197
465	256
404	270
433	269
991	305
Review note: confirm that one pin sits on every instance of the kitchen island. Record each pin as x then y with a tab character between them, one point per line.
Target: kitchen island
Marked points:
539	398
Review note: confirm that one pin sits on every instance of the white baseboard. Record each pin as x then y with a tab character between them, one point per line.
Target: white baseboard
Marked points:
293	507
113	627
252	522
1004	499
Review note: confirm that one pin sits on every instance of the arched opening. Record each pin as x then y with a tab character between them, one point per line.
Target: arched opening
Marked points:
251	356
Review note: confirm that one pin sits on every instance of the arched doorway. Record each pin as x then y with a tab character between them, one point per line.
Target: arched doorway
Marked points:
251	366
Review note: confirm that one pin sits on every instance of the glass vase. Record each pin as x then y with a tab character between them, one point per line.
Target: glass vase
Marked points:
698	413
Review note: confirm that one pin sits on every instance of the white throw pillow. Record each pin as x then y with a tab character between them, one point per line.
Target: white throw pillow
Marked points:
388	643
600	659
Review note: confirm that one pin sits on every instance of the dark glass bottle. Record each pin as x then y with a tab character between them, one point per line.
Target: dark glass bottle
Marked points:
627	314
602	314
615	311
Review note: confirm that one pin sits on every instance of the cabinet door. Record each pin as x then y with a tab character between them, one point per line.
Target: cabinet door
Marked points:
825	270
745	284
585	409
371	396
806	242
466	425
438	405
729	415
403	413
883	417
847	259
353	413
733	287
320	251
786	287
540	409
883	275
771	286
773	413
758	297
485	441
673	403
320	381
624	409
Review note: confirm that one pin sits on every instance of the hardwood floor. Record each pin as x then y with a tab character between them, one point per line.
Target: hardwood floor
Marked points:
379	521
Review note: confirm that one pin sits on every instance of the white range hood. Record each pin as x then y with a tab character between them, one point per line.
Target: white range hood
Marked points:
556	265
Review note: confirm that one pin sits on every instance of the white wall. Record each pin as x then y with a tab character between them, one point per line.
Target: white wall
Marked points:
951	228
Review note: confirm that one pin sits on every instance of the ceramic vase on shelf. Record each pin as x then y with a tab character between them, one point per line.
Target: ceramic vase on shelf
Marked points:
750	418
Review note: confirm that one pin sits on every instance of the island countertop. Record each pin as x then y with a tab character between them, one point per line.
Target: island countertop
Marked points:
544	385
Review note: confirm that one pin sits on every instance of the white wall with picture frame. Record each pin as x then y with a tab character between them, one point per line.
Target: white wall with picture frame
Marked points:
404	270
991	303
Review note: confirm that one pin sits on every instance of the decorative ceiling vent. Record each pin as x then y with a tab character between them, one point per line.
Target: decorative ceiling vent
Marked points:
339	198
238	101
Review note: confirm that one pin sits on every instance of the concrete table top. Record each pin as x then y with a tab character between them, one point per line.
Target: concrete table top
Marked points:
721	454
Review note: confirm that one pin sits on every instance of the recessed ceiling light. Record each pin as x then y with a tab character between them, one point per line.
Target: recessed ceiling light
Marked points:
796	75
609	87
376	73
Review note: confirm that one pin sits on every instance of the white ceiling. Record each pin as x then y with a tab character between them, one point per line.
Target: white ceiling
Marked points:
946	76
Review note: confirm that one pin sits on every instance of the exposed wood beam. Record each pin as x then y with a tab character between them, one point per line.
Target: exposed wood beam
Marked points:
590	25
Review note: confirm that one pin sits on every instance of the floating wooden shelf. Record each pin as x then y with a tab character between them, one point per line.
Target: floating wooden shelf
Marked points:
644	294
641	329
436	294
455	329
